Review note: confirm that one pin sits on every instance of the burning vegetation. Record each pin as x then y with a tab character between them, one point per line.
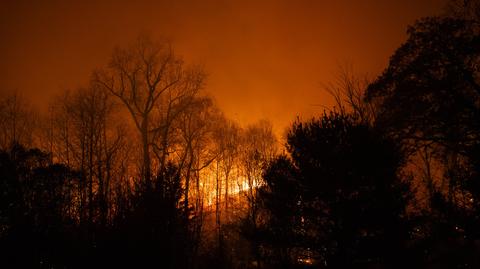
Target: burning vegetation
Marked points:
140	168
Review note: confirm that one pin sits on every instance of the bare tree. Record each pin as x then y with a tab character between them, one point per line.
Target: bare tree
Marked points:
140	76
348	92
17	121
259	146
87	138
227	142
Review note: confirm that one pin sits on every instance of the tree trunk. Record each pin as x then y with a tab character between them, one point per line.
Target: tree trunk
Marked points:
146	154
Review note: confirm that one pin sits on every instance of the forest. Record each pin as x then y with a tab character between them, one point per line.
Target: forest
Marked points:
141	169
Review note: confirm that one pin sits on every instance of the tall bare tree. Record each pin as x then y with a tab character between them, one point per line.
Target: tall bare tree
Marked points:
348	91
259	146
87	138
17	121
228	136
140	76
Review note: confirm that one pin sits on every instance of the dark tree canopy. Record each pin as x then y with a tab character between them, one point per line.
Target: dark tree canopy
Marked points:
429	102
35	206
338	195
39	226
430	91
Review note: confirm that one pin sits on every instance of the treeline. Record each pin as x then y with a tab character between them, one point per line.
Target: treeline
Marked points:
136	169
141	169
390	178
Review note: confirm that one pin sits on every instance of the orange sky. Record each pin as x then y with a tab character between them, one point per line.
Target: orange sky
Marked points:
265	59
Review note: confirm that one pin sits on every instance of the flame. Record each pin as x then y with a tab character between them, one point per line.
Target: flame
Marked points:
237	186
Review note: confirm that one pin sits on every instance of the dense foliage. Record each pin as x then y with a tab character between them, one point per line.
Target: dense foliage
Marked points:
338	198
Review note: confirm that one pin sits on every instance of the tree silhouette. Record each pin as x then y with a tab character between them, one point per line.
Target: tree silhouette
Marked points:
150	81
153	230
36	208
429	98
430	90
17	121
337	199
194	189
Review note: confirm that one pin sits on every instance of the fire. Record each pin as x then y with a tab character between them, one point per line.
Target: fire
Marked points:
238	185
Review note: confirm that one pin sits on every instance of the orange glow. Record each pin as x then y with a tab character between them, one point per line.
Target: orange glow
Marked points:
238	186
265	59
